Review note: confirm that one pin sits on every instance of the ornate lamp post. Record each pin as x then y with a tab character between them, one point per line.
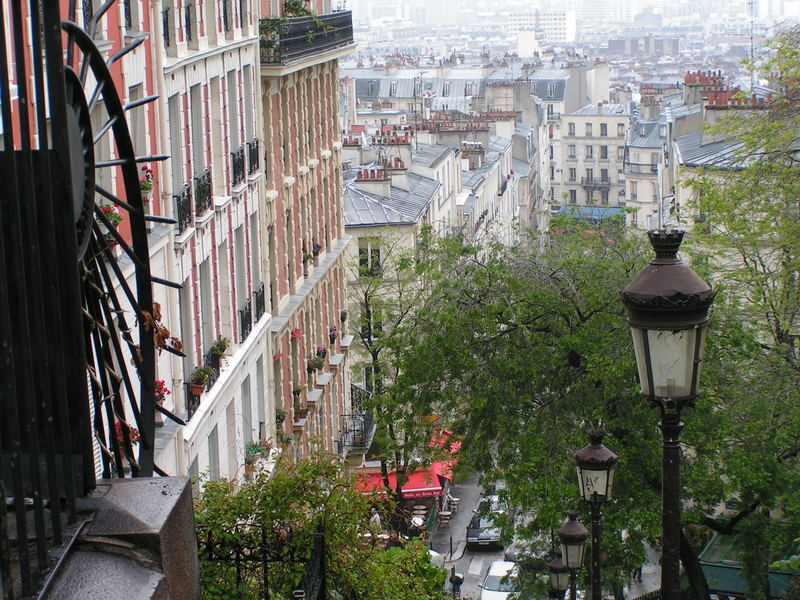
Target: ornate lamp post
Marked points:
559	577
668	306
573	538
596	465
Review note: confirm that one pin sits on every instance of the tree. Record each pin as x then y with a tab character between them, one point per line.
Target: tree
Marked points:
390	281
292	505
750	248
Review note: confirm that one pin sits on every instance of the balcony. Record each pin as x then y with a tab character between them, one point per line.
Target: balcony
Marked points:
258	300
237	167
245	320
595	184
358	430
202	192
183	208
253	157
639	168
553	117
285	40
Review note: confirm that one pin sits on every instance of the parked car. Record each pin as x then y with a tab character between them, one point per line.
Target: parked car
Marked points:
500	581
482	531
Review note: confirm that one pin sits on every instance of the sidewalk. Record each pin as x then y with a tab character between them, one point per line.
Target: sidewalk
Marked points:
651	576
469	493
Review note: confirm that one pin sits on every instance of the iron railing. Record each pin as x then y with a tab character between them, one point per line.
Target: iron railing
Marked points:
241	555
639	168
245	320
192	401
590	182
202	192
226	17
296	37
88	13
165	27
253	156
128	14
183	208
358	429
237	166
259	302
358	396
187	21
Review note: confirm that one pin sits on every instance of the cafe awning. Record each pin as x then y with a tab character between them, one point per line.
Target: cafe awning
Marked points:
420	484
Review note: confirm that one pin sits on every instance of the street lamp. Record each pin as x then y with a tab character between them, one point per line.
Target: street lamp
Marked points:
573	538
596	465
667	305
559	577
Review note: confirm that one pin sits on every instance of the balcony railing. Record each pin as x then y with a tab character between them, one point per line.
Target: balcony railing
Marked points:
358	430
258	300
202	192
600	184
237	166
640	168
252	156
358	396
284	40
245	320
183	208
165	27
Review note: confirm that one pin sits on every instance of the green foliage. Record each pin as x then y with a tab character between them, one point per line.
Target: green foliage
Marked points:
292	503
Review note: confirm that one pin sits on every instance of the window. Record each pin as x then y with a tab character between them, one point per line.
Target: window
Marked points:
604	129
573	174
551	153
571	127
370	88
572	151
589	151
551	90
604	152
604	175
634	190
573	197
620	153
654	158
549	110
393	88
446	88
552	173
369	257
468	89
371	323
589	196
589	175
620	129
604	196
588	130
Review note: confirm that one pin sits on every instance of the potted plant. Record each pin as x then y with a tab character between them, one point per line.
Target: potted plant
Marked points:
146	183
316	249
314	363
217	351
161	392
200	379
306	257
321	351
114	218
300	411
280	416
296	391
343	316
332	331
132	436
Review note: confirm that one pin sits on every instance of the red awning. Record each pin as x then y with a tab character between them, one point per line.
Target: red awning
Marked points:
420	484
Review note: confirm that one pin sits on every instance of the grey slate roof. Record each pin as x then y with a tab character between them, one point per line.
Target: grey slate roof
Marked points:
644	134
429	155
404	207
720	154
471	179
521	168
603	110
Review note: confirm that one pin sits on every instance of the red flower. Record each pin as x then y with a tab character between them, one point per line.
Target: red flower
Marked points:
133	435
297	334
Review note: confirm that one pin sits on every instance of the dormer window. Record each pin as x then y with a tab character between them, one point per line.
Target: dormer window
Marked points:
551	90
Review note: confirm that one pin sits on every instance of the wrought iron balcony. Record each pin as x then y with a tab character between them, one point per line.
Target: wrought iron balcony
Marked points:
358	396
596	184
183	208
358	430
245	320
260	304
202	192
237	166
192	401
630	168
252	156
284	40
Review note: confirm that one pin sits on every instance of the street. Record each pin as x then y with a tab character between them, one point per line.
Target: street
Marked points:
474	563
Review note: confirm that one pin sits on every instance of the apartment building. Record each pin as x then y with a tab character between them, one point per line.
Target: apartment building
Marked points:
645	147
304	226
593	151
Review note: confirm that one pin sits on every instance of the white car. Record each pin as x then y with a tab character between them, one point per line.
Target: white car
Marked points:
500	581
